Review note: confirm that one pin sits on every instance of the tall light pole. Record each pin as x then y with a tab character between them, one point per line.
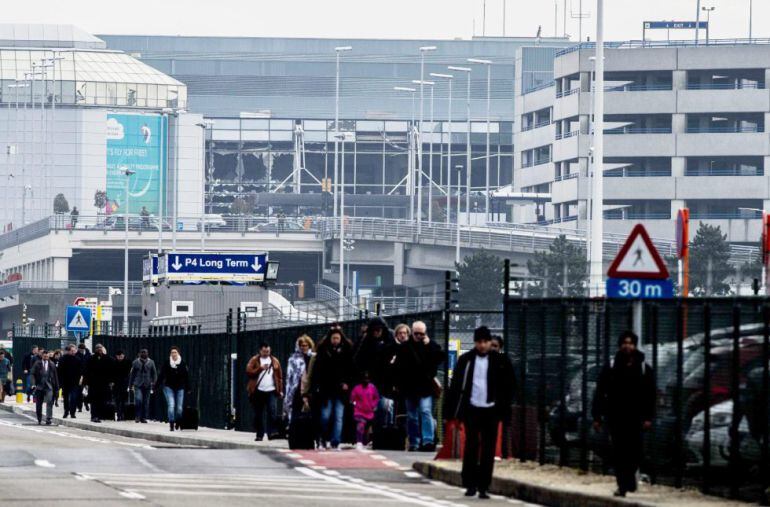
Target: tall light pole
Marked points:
338	51
410	153
341	137
127	173
457	245
431	84
488	63
449	78
423	50
708	11
751	22
697	21
468	161
597	181
203	126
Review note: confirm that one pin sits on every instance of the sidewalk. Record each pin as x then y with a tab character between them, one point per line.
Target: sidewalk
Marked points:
153	431
554	486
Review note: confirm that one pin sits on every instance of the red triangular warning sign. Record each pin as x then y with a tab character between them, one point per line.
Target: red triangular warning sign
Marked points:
638	258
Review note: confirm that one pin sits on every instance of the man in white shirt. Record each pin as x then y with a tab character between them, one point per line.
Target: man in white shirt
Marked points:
480	396
265	388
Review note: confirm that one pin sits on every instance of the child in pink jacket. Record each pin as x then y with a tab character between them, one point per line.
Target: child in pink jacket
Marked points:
365	399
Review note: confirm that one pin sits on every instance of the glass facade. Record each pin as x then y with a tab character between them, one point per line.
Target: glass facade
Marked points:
247	157
85	78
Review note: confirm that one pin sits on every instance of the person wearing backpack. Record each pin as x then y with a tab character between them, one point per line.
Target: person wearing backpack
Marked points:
265	389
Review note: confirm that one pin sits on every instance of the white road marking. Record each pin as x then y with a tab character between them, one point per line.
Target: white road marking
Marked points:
132	495
294	455
391	463
413	475
44	463
306	461
251	494
371	489
141	459
73	435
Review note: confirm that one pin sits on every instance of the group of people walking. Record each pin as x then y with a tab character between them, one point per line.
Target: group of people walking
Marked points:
364	387
108	387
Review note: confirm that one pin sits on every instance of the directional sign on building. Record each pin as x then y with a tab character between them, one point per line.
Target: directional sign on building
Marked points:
78	319
674	25
213	267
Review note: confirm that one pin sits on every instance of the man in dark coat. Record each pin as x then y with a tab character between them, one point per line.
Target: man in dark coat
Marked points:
418	361
369	351
99	374
480	396
26	366
625	401
83	354
70	371
120	388
46	386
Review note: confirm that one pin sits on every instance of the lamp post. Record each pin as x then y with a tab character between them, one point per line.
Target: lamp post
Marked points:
597	181
431	84
342	137
457	245
205	125
697	21
708	11
338	52
468	161
410	153
488	63
449	78
127	173
423	50
751	20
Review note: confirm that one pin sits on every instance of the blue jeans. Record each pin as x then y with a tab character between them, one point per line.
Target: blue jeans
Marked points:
332	430
386	411
419	417
174	402
142	403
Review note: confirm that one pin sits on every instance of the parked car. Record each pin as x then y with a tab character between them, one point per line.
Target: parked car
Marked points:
721	418
278	228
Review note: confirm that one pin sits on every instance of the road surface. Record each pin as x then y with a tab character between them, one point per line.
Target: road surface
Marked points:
59	466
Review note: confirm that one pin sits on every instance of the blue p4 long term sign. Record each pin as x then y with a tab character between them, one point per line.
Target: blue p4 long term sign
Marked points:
213	267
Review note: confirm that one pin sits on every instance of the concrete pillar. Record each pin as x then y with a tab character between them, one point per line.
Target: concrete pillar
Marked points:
585	82
676	205
678	165
678	123
679	79
766	164
399	261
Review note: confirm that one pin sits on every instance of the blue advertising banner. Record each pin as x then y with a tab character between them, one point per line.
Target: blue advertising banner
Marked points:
137	142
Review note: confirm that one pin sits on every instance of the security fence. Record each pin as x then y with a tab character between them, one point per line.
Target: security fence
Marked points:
710	359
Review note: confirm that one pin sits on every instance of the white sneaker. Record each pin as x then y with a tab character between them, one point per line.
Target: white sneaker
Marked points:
359	446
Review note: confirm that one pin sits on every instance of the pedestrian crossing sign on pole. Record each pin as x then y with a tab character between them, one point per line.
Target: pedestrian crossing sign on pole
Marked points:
638	258
78	319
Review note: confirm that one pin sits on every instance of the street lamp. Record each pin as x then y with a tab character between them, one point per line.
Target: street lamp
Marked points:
449	78
468	162
488	63
597	181
205	125
457	246
338	51
127	173
342	137
410	152
708	11
423	50
430	160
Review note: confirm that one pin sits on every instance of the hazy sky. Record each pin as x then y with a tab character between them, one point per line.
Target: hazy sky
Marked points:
377	18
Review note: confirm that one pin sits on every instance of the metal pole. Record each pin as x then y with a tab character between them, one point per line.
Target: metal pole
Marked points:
203	194
468	160
751	19
503	18
342	233
489	112
164	165
457	247
697	21
174	197
430	160
449	159
128	174
597	194
419	141
336	135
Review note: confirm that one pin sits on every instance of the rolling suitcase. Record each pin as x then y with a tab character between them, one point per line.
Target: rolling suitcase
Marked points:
129	408
301	435
189	419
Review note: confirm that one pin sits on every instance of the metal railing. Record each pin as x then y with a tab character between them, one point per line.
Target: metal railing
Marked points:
638	130
639	88
726	215
563	177
635	44
567	135
567	93
724	171
538	125
725	86
539	87
748	129
630	172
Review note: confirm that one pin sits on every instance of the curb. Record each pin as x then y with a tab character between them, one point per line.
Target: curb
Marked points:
527	492
155	437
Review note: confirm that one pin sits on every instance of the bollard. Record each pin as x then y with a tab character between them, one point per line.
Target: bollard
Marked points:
19	391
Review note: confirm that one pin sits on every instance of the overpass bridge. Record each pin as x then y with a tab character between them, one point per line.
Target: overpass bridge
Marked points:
41	251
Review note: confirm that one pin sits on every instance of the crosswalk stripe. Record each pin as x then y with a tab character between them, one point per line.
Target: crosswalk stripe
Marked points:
139	485
193	492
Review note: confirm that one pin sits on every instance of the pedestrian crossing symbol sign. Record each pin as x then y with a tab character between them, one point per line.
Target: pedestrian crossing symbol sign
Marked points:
78	319
638	258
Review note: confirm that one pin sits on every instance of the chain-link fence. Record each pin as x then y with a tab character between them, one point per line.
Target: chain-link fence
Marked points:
710	360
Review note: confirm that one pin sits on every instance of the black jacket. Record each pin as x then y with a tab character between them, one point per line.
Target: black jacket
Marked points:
368	356
99	372
28	361
174	378
417	367
390	375
329	369
625	394
501	385
70	370
122	371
